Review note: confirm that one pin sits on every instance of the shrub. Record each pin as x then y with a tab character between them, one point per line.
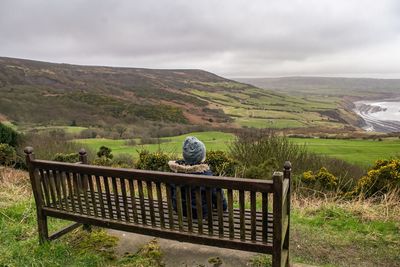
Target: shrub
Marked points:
220	163
105	152
383	177
103	161
8	135
130	142
8	155
157	161
322	179
262	171
253	148
123	161
71	157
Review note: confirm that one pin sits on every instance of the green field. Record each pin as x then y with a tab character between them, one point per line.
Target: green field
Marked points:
173	145
360	152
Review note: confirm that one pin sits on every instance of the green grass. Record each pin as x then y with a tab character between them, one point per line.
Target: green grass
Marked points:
213	141
361	152
269	123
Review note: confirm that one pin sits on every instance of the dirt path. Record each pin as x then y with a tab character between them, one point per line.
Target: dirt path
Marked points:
185	254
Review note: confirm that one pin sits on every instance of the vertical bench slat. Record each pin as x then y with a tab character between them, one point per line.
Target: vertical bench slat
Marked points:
230	209
64	190
160	205
253	209
264	217
42	189
45	186
188	197
116	197
133	200
142	206
83	179
151	202
170	210
220	213
179	207
57	185
108	197
124	199
52	190
92	195
100	193
199	209
209	211
78	192
241	212
70	191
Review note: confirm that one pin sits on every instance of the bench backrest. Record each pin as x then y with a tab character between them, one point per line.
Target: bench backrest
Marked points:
130	197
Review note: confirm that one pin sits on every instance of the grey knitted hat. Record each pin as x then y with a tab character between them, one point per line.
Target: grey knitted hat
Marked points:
194	151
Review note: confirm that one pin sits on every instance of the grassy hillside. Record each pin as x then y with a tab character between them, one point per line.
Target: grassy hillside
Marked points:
360	152
40	93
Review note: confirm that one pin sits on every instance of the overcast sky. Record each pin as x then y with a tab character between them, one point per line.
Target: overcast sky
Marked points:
254	38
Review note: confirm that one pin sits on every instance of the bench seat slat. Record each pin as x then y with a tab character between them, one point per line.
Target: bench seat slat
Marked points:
214	225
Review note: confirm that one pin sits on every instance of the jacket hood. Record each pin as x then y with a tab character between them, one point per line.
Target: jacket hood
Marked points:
182	168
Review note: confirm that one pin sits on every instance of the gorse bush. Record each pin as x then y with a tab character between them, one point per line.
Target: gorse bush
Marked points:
220	163
8	155
105	152
383	177
322	179
157	161
70	157
8	135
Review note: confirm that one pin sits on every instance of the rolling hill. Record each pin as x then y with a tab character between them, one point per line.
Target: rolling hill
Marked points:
330	86
41	93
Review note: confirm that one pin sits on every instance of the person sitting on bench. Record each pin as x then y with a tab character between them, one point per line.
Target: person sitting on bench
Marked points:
194	155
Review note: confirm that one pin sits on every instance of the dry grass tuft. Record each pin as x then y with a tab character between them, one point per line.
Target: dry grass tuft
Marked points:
14	186
383	208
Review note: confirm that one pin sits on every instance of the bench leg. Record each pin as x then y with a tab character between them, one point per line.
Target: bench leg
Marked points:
87	227
42	228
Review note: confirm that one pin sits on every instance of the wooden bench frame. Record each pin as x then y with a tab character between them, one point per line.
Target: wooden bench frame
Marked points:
75	192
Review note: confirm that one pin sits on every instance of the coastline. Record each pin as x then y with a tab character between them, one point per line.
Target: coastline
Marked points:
379	116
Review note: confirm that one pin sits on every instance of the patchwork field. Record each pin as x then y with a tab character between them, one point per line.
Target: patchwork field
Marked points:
360	152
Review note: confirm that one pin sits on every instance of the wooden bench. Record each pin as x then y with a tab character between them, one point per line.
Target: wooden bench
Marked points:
139	201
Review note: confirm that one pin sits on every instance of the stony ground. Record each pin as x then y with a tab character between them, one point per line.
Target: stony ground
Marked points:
186	254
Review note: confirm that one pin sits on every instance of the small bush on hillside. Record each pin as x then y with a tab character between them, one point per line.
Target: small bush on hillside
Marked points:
8	155
123	161
103	161
8	135
105	152
323	179
261	171
383	177
70	157
220	163
157	161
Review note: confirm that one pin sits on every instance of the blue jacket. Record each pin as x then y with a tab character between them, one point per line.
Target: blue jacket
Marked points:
175	165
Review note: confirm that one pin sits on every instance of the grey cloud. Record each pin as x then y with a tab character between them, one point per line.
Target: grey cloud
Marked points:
233	38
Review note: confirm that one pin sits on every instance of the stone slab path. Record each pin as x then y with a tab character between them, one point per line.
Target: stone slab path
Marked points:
178	254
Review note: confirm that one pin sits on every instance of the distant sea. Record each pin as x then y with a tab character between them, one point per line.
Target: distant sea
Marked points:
380	116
